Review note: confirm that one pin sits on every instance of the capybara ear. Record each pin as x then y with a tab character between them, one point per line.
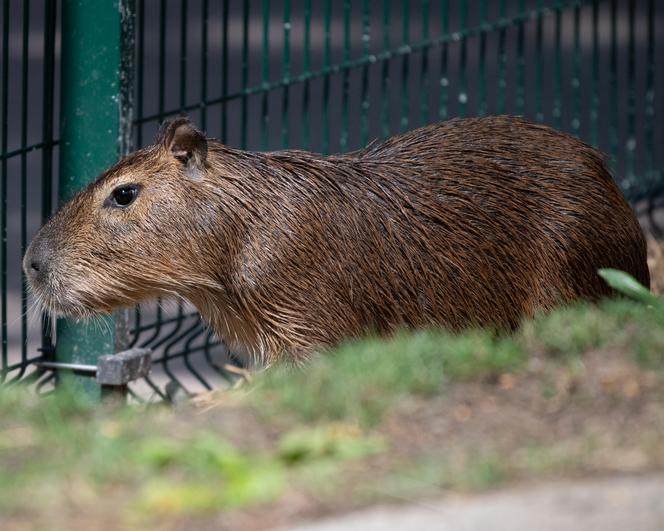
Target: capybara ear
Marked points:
182	140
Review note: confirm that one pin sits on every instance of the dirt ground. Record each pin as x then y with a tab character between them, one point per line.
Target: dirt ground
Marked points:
604	419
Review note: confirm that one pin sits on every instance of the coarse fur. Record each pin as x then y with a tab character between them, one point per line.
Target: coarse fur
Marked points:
473	222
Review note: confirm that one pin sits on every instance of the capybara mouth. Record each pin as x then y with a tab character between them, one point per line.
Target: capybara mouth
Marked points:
70	306
70	293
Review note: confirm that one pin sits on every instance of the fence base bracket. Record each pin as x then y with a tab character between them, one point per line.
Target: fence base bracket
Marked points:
112	370
124	367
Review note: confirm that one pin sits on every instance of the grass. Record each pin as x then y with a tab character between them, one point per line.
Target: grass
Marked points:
615	324
203	473
316	422
170	467
363	380
60	439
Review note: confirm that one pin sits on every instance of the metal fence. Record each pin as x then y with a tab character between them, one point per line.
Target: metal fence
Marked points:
326	76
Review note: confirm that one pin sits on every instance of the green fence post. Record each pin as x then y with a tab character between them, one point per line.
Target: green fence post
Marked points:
93	131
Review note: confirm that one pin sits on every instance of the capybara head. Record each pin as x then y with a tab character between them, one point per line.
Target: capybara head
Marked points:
130	235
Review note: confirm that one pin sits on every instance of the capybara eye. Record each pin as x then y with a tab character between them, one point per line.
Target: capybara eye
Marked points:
123	196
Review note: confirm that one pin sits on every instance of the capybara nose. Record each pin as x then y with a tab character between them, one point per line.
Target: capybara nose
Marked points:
34	266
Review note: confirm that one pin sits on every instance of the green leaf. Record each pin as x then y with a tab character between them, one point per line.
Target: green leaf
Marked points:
628	285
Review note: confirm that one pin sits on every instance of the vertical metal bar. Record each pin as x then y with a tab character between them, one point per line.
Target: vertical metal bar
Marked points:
168	344
125	99
179	323
183	54
4	126
48	105
613	86
364	105
168	341
162	57
224	72
208	355
194	332
325	147
405	65
424	66
156	330
462	95
594	86
520	99
24	178
385	75
557	99
90	127
205	15
306	66
630	146
502	62
265	75
345	79
285	93
576	74
444	80
140	72
245	72
136	330
650	93
539	113
132	336
481	66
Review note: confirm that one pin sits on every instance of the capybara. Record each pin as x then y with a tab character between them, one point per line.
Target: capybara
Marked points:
465	223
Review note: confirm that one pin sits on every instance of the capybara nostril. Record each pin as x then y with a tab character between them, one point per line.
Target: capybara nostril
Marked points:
34	262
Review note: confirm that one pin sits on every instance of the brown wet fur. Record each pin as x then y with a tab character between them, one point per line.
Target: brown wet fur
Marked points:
474	222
